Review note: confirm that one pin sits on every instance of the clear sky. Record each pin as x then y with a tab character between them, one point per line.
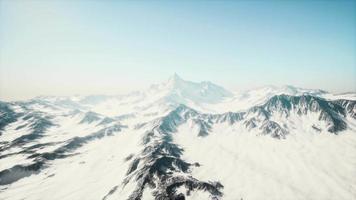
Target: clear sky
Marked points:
112	47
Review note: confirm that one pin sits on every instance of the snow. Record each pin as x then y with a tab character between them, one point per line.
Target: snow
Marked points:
204	96
306	165
90	175
303	166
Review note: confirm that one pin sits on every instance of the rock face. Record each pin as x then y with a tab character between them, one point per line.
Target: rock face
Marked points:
35	126
332	112
159	164
270	117
160	167
7	115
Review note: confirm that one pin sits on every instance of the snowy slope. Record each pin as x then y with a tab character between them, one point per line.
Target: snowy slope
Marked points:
181	140
204	96
304	166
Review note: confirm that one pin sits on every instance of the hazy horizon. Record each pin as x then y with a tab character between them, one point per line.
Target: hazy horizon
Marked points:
147	86
90	47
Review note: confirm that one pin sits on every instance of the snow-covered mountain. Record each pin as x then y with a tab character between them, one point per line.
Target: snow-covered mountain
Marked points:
181	140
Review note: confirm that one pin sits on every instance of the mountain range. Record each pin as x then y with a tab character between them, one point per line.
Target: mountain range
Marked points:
181	140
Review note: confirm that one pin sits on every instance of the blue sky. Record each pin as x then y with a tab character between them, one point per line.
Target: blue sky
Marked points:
112	47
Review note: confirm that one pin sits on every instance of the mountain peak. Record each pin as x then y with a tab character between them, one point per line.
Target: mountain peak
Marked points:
178	90
175	78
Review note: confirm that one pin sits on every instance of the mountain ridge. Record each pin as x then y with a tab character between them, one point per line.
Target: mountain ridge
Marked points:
152	161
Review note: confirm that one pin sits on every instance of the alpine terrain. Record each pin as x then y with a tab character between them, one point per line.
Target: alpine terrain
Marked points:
180	140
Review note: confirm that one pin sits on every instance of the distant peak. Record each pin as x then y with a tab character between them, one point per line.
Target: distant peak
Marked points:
290	90
175	77
175	80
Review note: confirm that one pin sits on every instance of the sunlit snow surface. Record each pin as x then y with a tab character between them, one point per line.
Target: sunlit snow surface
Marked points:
304	166
101	147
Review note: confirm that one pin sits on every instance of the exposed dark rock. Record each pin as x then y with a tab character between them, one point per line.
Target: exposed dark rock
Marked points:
157	166
7	115
106	120
90	117
112	191
40	159
274	129
17	172
332	112
39	125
